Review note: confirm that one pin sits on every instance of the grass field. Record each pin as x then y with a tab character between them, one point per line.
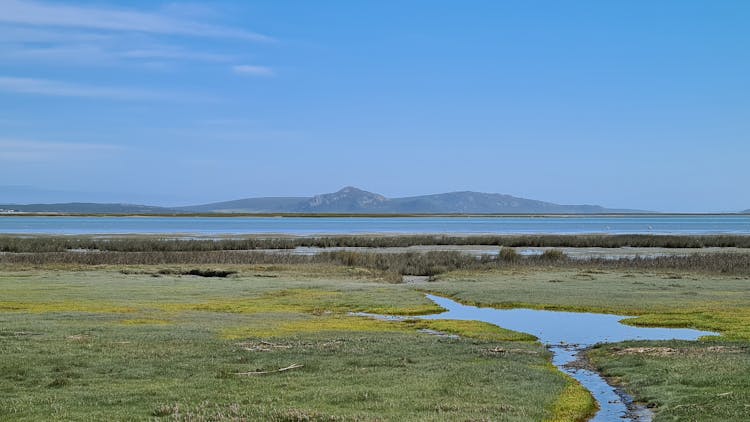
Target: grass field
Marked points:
685	381
103	344
708	380
151	342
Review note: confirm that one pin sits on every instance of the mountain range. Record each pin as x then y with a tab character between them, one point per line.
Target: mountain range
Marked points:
357	201
349	200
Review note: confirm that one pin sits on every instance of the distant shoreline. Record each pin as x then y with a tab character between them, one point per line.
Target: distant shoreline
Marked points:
364	215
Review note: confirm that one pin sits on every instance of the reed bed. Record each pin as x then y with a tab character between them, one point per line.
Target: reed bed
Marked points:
543	240
32	244
35	244
425	264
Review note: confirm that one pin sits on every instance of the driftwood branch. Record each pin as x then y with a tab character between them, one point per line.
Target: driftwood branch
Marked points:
288	368
261	346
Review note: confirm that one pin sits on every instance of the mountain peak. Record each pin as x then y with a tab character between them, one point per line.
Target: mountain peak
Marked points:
346	199
349	190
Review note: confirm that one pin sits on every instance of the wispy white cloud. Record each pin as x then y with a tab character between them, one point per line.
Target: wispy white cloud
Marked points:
34	151
171	53
61	89
44	33
68	35
113	19
62	54
35	34
253	70
94	54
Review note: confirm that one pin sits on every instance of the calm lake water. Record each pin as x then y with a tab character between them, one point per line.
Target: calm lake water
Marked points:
567	334
702	224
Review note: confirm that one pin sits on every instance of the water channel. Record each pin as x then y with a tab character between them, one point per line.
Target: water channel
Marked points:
566	334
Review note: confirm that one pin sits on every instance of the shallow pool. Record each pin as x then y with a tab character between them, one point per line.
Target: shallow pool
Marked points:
567	334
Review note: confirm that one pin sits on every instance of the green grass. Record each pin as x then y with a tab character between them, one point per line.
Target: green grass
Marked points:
141	342
103	344
698	382
708	380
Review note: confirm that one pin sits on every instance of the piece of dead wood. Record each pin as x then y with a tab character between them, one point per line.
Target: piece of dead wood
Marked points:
288	368
670	351
274	345
729	393
651	351
79	337
500	350
261	346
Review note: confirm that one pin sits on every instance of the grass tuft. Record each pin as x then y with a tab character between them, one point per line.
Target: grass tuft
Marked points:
575	404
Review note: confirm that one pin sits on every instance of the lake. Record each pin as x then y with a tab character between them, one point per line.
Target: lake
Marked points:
207	226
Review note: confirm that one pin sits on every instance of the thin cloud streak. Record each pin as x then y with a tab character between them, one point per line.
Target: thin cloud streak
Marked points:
173	54
65	54
35	13
16	151
93	54
28	34
253	70
61	89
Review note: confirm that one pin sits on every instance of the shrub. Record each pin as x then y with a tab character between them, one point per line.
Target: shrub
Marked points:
509	255
553	255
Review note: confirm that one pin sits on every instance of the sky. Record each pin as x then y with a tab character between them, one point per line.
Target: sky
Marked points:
627	104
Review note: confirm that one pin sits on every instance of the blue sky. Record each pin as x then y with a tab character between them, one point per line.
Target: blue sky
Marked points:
637	104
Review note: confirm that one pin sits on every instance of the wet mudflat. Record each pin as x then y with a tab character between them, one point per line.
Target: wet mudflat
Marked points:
567	334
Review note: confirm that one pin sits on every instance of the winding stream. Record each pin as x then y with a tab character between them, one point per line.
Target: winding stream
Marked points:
567	334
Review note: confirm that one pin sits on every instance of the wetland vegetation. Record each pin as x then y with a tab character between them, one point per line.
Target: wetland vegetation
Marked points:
201	335
103	344
151	243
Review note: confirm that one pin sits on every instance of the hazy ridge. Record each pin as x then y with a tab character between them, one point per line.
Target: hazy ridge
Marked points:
86	208
349	200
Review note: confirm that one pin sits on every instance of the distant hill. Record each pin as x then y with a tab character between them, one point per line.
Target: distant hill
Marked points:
348	200
746	212
87	208
357	201
249	205
489	203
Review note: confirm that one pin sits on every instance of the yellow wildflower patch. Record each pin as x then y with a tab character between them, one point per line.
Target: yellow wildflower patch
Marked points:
316	324
45	307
